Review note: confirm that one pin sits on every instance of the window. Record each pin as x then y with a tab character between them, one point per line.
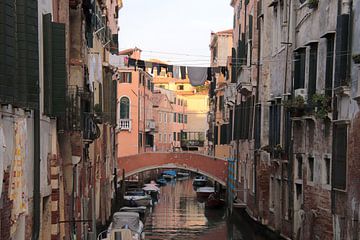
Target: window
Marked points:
165	117
160	138
160	117
178	136
311	169
221	103
216	135
223	134
180	87
329	65
185	118
164	138
327	172
312	70
169	137
140	140
161	86
299	172
174	117
339	156
124	108
299	71
274	124
125	77
174	136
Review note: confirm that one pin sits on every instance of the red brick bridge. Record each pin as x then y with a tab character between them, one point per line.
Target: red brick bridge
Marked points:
214	168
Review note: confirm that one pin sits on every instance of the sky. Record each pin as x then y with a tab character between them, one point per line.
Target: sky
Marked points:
176	31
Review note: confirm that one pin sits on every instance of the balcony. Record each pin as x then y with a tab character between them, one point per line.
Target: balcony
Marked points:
125	125
244	85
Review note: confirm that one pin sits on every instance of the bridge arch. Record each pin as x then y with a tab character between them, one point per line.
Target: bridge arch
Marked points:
214	168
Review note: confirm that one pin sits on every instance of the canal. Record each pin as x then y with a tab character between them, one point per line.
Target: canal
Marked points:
178	215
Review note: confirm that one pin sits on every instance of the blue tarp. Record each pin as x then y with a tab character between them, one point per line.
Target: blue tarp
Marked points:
170	172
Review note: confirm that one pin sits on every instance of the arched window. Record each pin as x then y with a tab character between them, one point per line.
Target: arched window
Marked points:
124	108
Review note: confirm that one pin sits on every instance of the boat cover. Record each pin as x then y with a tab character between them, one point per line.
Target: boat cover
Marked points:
121	219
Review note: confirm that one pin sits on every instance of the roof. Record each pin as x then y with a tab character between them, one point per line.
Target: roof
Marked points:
129	51
229	31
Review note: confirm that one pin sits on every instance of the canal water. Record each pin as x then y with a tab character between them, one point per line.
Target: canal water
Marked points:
178	215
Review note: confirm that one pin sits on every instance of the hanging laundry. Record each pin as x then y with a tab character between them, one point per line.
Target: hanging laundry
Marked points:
170	68
176	72
98	69
141	64
154	65
209	74
183	72
91	68
197	75
131	62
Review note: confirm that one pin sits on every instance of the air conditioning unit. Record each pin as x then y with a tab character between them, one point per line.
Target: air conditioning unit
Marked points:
301	92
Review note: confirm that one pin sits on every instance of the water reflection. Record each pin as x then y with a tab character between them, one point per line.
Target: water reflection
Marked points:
179	215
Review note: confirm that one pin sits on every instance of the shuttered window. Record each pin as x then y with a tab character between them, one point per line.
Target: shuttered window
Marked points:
224	134
216	135
54	67
299	71
339	156
329	65
257	130
19	55
312	69
342	47
274	124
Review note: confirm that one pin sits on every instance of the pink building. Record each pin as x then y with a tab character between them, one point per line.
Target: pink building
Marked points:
171	119
135	122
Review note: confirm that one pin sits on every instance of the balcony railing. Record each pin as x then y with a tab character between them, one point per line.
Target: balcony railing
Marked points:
125	124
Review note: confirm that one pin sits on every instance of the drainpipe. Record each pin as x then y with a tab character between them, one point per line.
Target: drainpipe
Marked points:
36	193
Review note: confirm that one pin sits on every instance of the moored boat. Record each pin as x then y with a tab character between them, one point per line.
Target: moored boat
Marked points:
200	181
127	220
214	201
169	174
161	181
137	198
204	192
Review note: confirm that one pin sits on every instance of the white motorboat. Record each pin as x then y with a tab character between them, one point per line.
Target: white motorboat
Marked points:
137	198
204	192
126	220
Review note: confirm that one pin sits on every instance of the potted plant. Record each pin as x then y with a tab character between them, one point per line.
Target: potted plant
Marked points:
356	58
295	106
321	104
313	4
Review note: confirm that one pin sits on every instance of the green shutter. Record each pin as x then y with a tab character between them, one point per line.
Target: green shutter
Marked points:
47	41
59	74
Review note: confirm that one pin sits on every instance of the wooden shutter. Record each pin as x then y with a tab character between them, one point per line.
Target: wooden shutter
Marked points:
329	65
342	46
59	69
312	70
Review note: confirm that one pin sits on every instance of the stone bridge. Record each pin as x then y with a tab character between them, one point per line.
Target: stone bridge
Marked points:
214	168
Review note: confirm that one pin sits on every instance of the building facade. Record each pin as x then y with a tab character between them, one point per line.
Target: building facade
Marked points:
221	103
294	161
57	118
